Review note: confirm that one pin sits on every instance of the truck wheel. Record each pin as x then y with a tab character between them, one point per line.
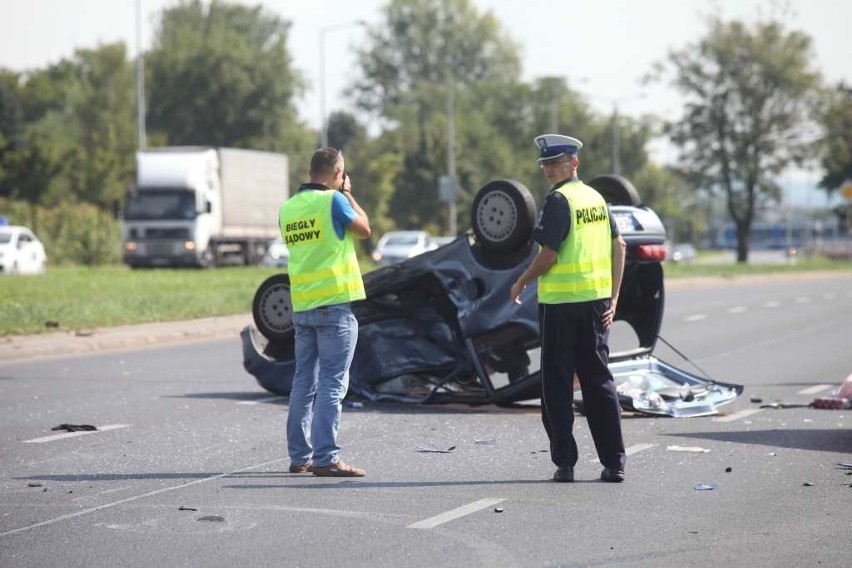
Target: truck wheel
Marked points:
207	258
272	308
616	190
503	216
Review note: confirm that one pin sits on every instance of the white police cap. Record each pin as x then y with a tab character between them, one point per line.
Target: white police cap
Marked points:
555	145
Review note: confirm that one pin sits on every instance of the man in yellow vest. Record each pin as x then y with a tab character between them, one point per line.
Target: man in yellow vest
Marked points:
579	271
319	224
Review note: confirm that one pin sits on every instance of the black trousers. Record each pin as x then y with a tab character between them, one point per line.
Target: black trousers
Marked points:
573	340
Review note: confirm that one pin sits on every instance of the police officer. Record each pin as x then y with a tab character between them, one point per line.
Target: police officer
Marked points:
318	225
579	271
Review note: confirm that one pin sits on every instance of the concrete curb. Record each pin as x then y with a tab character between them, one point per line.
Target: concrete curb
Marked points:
18	348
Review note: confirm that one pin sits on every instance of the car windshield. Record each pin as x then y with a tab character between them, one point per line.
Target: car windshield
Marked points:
160	204
401	240
5	237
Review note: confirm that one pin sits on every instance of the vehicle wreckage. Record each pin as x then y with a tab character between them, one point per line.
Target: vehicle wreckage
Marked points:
439	327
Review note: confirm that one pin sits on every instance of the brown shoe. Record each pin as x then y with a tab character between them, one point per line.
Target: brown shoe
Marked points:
301	468
338	469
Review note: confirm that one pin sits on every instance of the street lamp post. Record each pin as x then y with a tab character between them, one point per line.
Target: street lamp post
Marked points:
140	81
616	129
323	120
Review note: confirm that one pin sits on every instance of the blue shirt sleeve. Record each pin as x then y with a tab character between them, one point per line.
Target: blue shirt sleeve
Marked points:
342	214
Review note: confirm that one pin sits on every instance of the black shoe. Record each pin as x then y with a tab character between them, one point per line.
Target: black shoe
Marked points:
564	474
612	475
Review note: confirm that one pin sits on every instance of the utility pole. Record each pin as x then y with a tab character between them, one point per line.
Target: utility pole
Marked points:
140	81
451	151
616	141
323	119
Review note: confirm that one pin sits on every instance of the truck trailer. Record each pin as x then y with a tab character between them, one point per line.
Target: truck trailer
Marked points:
203	207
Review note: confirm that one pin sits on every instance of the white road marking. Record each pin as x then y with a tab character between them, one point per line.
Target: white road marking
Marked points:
815	389
631	450
802	300
771	304
829	296
448	516
101	493
135	497
737	310
262	400
737	415
75	434
696	317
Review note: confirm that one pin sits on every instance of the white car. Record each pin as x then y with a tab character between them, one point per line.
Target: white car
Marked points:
396	246
277	253
20	251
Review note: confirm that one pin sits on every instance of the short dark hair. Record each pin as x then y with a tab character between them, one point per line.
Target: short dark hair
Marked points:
324	161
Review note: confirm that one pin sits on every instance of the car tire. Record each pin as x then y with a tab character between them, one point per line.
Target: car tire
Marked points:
616	190
272	308
503	216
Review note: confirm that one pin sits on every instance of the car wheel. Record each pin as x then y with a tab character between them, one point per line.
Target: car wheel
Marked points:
616	190
503	216
272	308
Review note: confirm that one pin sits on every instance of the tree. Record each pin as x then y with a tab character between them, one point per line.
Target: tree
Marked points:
11	123
748	91
221	75
426	54
836	119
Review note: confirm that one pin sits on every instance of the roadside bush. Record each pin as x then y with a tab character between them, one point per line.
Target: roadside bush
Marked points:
72	233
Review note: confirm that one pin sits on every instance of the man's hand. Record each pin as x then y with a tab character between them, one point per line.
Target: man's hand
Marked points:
515	292
609	315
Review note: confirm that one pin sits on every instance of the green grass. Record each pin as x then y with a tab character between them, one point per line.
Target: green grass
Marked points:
708	265
82	298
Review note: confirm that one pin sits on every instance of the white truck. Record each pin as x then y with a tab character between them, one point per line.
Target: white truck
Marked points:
200	206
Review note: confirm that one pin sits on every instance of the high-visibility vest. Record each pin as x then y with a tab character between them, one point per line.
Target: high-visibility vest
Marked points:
323	268
583	268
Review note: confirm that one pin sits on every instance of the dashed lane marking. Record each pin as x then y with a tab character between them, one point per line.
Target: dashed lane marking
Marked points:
75	434
631	450
802	300
695	317
771	304
454	514
737	415
815	389
263	400
737	310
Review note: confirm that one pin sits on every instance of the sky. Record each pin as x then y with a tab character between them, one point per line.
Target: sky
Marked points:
602	48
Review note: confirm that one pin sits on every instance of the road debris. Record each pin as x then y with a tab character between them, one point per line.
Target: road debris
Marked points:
182	508
75	427
434	450
212	518
706	486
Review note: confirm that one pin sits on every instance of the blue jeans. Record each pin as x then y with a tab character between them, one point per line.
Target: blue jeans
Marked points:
325	345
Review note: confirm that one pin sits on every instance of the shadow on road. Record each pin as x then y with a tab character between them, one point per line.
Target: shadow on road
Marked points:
819	440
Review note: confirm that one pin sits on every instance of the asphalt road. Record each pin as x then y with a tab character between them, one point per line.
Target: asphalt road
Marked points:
189	467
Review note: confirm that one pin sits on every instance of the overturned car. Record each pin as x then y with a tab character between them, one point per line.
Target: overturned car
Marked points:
439	327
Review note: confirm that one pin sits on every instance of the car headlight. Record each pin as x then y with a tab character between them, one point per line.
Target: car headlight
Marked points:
377	256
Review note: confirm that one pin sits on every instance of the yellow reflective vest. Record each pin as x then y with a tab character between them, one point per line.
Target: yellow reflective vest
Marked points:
323	268
583	268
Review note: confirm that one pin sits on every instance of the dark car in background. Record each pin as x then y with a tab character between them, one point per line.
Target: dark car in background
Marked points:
440	328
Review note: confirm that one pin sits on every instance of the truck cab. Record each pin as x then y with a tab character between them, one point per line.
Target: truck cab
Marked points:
173	209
